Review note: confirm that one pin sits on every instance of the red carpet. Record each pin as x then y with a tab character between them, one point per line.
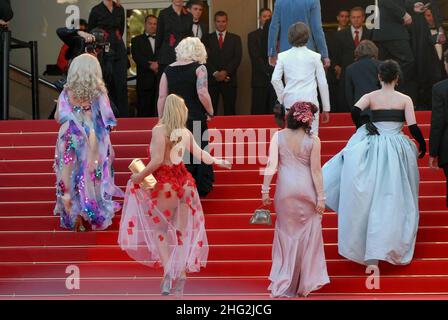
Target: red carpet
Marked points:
34	251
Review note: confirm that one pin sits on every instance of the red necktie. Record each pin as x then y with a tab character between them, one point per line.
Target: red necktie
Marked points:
356	38
221	40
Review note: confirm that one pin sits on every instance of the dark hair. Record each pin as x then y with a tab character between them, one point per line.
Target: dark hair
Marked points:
293	124
298	34
82	22
150	16
343	10
389	71
195	3
446	56
366	48
361	9
221	14
263	10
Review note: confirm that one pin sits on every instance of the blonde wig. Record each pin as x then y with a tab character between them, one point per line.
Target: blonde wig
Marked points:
191	49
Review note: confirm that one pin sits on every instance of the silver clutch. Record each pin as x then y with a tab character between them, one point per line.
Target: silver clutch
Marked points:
261	216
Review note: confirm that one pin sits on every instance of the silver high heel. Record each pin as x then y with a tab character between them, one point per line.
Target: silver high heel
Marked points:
166	286
179	288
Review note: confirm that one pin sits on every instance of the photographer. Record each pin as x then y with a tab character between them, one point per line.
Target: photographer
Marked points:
110	17
6	15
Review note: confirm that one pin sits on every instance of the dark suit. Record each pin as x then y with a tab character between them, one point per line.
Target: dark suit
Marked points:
227	58
263	94
171	29
333	83
344	55
361	78
394	41
438	140
142	53
204	29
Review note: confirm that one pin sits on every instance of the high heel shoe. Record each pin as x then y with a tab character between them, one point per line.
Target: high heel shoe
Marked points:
179	288
79	227
166	286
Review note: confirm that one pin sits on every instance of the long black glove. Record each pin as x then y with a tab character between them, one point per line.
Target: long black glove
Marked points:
359	121
418	136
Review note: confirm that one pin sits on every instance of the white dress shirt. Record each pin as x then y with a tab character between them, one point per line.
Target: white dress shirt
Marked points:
151	41
303	72
223	35
197	31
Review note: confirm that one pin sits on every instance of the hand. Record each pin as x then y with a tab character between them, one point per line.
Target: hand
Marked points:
407	19
87	36
422	150
273	61
433	163
137	178
266	199
320	208
338	71
66	199
325	117
327	63
419	7
219	76
223	164
154	66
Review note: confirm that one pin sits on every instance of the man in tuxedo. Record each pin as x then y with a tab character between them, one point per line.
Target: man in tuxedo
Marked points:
288	12
196	8
224	58
347	40
343	19
393	39
263	95
143	49
6	15
438	140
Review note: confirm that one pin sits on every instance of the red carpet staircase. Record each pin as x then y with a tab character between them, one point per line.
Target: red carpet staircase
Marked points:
35	252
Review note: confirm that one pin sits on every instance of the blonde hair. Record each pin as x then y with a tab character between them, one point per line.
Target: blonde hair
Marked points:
85	79
191	49
174	118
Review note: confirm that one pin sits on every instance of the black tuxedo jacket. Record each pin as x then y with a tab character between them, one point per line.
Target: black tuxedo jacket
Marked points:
142	53
438	140
361	78
391	20
344	46
258	48
228	58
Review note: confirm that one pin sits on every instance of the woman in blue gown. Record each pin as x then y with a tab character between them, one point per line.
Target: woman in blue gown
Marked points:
373	183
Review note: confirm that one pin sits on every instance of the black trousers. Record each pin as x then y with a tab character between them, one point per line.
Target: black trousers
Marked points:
263	100
201	172
115	77
401	51
228	93
147	102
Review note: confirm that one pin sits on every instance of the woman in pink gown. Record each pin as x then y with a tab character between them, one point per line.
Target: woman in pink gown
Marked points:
165	226
298	258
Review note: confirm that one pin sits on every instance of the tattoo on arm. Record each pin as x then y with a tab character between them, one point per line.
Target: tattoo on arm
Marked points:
202	81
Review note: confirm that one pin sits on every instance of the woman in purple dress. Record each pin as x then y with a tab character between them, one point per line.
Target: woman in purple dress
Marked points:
298	258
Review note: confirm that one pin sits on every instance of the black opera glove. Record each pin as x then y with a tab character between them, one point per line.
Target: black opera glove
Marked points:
418	136
359	120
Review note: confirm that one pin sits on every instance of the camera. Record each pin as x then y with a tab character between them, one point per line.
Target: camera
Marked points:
99	45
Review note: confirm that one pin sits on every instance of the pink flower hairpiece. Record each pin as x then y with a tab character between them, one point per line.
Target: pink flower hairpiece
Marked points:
303	112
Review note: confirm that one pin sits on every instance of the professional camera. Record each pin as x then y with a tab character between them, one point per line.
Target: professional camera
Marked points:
99	45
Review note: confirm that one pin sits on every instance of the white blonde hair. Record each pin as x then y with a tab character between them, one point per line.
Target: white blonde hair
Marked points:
175	116
85	78
191	49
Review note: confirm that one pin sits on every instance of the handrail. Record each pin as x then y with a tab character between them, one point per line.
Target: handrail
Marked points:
28	74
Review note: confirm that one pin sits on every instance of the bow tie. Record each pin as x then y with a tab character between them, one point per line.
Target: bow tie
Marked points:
153	37
196	23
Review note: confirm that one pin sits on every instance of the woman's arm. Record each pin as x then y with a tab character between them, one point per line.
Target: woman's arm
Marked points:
163	93
203	155
270	169
202	89
157	149
409	112
316	172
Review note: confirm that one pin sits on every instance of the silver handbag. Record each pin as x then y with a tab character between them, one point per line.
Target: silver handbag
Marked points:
261	216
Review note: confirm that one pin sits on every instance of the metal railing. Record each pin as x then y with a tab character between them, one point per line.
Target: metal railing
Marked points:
8	44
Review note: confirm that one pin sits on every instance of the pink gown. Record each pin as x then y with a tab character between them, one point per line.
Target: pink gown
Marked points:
298	258
165	227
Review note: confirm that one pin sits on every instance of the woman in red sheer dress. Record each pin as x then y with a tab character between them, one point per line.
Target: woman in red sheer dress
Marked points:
165	226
